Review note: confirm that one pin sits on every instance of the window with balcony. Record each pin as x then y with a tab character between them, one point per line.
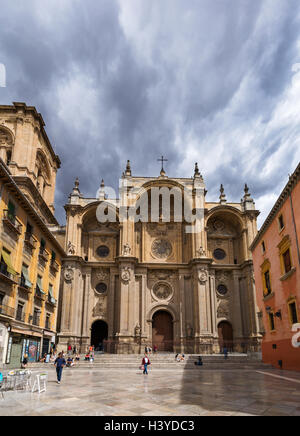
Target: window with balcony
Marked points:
51	298
39	293
30	240
10	219
43	255
7	271
287	261
25	282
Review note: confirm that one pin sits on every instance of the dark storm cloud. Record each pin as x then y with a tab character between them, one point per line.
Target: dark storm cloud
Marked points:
207	81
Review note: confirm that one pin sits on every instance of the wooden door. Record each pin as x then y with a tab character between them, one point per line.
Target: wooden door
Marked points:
162	333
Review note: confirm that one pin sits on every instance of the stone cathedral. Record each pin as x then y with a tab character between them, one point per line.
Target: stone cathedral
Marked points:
127	284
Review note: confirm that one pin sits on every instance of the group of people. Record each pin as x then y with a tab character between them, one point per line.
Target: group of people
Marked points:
180	357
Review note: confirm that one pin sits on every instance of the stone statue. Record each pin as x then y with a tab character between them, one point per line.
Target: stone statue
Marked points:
71	248
126	250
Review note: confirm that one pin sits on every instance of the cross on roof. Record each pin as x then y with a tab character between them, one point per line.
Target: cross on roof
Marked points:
162	160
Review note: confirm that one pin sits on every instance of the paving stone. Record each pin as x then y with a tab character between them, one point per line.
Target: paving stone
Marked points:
113	392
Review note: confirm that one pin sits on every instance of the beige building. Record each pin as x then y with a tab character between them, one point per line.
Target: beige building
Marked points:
160	282
30	256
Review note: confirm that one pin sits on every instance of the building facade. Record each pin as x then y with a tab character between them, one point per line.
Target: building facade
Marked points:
128	283
276	256
31	257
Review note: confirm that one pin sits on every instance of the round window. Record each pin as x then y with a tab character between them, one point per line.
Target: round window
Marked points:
222	290
219	254
103	251
101	288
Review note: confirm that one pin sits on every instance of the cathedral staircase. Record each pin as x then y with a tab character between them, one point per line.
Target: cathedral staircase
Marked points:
166	361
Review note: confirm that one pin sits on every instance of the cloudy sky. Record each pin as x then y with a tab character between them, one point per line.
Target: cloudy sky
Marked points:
212	81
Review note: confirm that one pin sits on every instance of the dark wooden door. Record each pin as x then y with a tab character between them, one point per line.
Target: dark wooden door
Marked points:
225	336
99	335
162	333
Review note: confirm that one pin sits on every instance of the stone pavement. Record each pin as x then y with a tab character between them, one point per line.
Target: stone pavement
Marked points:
117	392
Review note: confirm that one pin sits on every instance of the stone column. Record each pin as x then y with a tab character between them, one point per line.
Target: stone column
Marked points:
127	293
85	313
237	307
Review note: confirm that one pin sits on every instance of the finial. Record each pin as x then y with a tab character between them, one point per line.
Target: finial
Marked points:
197	172
76	190
223	195
101	195
246	190
247	201
128	169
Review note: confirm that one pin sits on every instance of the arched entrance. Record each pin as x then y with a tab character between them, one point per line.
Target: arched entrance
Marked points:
225	335
162	331
99	335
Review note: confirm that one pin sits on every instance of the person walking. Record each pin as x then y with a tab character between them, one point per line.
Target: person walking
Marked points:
25	361
225	353
145	363
59	363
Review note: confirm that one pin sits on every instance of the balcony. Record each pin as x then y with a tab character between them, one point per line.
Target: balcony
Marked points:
23	286
6	276
43	255
30	241
7	311
12	222
39	294
51	301
54	266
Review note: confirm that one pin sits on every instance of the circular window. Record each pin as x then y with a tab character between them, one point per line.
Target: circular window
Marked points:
219	254
161	248
101	288
103	251
222	289
162	291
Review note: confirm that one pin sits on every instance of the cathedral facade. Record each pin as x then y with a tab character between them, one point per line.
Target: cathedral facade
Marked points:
176	283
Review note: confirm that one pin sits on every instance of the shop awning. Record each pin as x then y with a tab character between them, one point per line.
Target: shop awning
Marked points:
7	260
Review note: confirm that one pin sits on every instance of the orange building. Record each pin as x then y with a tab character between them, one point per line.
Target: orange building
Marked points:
276	257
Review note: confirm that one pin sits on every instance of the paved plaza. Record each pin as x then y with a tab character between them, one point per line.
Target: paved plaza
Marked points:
117	392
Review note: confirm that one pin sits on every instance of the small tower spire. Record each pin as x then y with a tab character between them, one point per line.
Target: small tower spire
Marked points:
101	195
247	200
223	199
76	190
128	169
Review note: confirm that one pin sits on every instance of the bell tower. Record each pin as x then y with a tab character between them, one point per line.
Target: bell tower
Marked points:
25	148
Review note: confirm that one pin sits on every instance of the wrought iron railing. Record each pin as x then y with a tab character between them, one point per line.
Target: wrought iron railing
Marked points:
11	219
3	270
